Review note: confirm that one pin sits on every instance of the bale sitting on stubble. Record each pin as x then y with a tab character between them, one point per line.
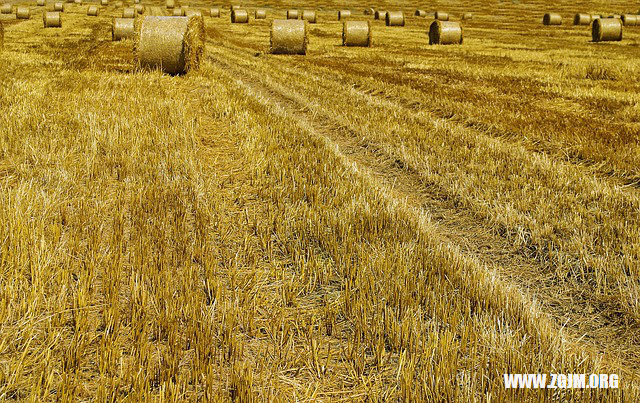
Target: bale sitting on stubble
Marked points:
445	33
104	2
139	8
310	16
394	19
6	8
129	12
552	19
380	15
178	12
239	16
260	14
442	16
40	3
214	12
606	29
467	16
292	14
170	4
58	6
342	14
193	13
51	19
629	20
78	2
420	13
92	11
172	44
122	28
356	33
23	13
369	11
582	19
289	37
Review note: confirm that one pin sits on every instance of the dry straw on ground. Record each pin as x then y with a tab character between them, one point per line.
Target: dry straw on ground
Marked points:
171	44
356	33
582	19
606	29
380	15
92	11
214	12
630	20
342	14
445	33
170	4
293	14
193	13
239	16
52	19
288	37
310	16
260	14
442	16
420	13
467	16
394	19
122	28
6	8
552	19
1	36
139	8
23	13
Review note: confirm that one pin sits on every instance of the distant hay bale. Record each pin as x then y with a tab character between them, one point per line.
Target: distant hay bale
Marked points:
293	14
214	12
369	11
445	33
78	2
442	16
260	14
92	11
420	13
288	37
122	28
629	20
58	6
119	4
139	8
239	16
467	16
617	16
51	19
310	15
129	12
342	14
40	3
356	33
172	44
552	19
380	15
104	2
193	13
606	29
178	12
6	8
234	7
582	19
170	4
394	19
23	13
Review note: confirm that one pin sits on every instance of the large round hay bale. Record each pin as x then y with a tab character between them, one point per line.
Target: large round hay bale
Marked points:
310	15
122	28
552	19
170	4
260	14
58	6
380	15
23	13
178	12
6	8
293	14
394	19
239	16
129	12
342	14
172	44
51	19
104	2
214	12
467	16
606	29
420	13
356	33
40	3
92	11
442	16
582	19
369	11
629	20
139	8
289	37
445	33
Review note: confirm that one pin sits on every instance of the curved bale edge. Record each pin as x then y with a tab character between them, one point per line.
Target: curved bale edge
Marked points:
552	19
239	16
445	33
606	30
356	33
288	37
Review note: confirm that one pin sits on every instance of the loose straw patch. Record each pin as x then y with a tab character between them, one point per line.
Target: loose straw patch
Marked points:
606	29
52	19
356	33
239	16
552	19
310	15
445	33
394	19
288	37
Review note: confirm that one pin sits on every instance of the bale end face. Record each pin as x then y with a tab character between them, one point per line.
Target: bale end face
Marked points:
288	37
445	33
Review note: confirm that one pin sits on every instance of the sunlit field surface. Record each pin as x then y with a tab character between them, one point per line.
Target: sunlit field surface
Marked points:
401	222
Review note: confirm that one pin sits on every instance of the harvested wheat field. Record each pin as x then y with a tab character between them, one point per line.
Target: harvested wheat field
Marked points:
393	222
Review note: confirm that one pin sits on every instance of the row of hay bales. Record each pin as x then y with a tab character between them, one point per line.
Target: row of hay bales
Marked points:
603	29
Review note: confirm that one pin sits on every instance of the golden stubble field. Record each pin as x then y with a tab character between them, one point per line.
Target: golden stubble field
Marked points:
398	222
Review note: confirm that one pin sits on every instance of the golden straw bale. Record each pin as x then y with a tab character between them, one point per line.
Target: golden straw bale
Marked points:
178	12
92	11
629	20
51	19
394	19
288	37
40	3
380	15
239	16
139	8
58	6
129	12
193	13
172	44
606	29
214	12
23	13
293	14
445	33
170	4
342	14
78	2
420	13
104	2
122	28
618	16
6	8
467	16
260	14
356	33
442	16
582	19
369	11
552	19
310	15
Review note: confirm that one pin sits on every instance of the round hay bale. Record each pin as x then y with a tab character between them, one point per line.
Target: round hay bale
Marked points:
6	8
239	16
288	37
420	13
356	33
310	15
23	13
292	14
193	13
214	12
119	4
629	20
122	28
442	16
260	14
582	19
595	17
342	14
618	16
58	6
467	16
394	19
139	8
552	19
78	2
172	44
51	19
445	33
129	12
606	29
369	11
104	2
170	4
40	3
380	15
178	12
92	11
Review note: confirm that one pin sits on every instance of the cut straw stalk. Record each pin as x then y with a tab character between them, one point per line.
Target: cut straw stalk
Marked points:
356	33
288	37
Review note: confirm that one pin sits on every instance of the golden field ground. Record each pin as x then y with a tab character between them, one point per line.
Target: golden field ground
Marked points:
398	222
